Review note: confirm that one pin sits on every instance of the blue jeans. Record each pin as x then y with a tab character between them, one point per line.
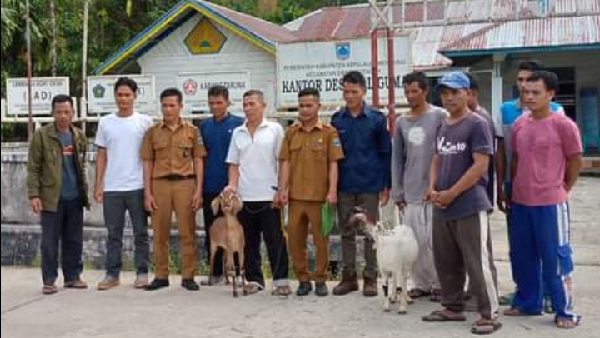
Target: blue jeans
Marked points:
64	225
116	203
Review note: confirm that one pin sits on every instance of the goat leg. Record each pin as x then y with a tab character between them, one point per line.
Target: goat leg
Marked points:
402	309
394	294
242	272
225	269
235	293
213	252
386	298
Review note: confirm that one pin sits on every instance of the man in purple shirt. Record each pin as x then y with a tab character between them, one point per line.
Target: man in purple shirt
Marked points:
460	224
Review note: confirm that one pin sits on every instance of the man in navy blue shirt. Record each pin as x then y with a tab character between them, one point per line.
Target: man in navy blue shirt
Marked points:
364	177
215	133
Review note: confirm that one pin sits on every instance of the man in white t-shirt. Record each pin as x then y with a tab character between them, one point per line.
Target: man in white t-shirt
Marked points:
252	157
119	182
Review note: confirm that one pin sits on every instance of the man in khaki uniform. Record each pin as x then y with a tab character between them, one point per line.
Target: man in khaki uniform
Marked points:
308	178
172	155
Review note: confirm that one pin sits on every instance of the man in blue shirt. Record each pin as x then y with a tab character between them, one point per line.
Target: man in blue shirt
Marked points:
215	133
364	177
510	111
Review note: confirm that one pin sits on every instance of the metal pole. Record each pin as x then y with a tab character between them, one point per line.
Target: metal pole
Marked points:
374	68
86	4
391	81
29	74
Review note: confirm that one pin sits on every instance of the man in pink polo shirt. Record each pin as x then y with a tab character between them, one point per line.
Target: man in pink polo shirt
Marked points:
545	166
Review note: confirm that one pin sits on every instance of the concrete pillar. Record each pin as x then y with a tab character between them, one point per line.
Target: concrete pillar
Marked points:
497	84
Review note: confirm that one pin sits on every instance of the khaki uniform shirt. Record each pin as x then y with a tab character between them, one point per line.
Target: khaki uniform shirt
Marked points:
172	151
309	154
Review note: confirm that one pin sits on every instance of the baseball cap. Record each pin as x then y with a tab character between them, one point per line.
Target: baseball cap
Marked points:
455	80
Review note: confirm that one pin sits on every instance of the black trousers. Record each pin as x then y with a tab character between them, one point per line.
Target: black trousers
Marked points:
209	217
65	225
260	218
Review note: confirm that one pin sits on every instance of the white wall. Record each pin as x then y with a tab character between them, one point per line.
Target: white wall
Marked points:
171	56
586	64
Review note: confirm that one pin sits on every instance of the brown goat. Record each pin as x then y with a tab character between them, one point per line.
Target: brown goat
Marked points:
227	233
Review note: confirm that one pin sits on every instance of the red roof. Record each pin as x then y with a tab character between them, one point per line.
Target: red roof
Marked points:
532	33
461	25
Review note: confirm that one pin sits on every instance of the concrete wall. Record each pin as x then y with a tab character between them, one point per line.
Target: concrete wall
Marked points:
15	202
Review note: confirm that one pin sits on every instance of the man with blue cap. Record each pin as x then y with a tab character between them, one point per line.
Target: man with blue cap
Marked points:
458	179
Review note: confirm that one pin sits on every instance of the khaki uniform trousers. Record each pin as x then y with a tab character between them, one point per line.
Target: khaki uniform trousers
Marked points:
301	214
174	196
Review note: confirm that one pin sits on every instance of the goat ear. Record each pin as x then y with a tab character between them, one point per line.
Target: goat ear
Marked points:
215	206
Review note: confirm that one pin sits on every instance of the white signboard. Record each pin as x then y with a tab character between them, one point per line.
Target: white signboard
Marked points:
101	97
194	87
43	89
321	65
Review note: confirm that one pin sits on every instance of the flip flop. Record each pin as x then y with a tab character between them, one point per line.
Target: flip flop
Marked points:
251	288
516	312
418	293
444	316
485	326
567	322
282	291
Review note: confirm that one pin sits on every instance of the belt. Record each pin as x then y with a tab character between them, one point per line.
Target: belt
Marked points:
176	177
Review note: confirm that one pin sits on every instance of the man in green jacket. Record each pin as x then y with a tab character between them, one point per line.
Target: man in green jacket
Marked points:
57	190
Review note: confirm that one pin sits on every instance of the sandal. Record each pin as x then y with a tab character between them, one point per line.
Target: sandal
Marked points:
516	312
436	295
444	316
418	293
485	326
282	291
567	322
49	289
252	288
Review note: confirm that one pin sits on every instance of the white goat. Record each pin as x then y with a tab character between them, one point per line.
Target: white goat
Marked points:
397	250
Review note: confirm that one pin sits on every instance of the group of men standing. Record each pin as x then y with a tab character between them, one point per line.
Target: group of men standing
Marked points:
438	166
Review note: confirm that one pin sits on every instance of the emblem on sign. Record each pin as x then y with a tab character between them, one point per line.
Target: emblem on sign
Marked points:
342	50
190	87
99	91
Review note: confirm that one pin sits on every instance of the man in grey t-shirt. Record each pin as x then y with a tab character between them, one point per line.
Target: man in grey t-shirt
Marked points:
413	149
457	190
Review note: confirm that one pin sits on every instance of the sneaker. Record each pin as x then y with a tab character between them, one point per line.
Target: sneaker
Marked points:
156	284
76	284
108	283
189	284
304	288
321	289
141	281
